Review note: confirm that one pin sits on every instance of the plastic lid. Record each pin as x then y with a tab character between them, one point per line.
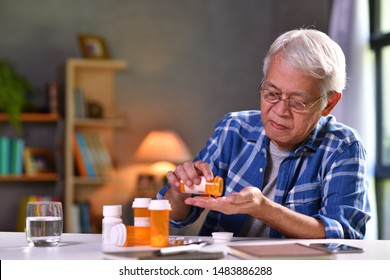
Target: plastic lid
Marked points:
220	237
118	234
141	202
112	210
157	204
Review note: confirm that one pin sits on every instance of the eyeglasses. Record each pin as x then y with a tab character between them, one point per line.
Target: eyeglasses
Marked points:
293	105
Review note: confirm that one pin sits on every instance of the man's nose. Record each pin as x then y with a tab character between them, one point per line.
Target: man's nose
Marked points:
281	107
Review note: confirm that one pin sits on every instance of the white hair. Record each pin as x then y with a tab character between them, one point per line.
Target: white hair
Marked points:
314	53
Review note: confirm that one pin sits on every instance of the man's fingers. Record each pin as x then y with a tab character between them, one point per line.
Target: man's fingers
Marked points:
245	195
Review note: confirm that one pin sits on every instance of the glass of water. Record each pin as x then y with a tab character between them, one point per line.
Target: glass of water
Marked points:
44	223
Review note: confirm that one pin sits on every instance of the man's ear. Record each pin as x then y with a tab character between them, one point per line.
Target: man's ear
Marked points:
334	98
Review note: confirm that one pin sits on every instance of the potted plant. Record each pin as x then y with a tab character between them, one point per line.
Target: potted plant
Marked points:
13	93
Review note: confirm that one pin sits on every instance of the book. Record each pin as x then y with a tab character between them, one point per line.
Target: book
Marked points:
85	217
81	166
92	153
79	104
278	251
92	157
17	147
5	155
85	154
101	156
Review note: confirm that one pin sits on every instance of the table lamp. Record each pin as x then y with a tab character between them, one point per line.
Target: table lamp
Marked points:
163	149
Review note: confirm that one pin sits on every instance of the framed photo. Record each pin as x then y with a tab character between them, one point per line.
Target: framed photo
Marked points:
38	160
93	46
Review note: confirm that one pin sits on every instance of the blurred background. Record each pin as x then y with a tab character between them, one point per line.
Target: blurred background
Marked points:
188	64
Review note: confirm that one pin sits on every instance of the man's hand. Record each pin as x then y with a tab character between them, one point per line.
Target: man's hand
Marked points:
244	202
251	201
189	173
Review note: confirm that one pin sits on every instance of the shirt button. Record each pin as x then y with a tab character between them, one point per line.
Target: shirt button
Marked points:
261	170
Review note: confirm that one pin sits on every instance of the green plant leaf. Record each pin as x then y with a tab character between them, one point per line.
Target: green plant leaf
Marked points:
13	92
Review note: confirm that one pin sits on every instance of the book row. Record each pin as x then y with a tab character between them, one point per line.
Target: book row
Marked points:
16	159
92	157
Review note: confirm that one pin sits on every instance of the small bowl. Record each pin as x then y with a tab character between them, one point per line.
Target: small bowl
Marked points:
220	237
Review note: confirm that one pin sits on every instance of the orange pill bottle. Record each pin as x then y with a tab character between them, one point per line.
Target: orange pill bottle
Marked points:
159	223
141	212
122	235
214	187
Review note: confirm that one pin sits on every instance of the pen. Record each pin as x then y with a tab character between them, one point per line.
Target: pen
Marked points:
180	249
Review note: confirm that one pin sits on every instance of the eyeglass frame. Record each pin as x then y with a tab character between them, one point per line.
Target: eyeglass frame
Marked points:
288	100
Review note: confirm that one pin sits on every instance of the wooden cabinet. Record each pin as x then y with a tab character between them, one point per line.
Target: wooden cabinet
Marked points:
95	80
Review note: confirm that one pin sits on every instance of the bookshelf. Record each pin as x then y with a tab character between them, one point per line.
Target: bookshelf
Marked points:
39	130
91	81
23	177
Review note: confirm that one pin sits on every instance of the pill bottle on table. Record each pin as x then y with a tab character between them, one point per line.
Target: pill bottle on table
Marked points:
214	187
122	235
159	223
112	216
141	212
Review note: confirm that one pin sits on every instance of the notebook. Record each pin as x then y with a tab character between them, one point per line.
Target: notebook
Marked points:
278	251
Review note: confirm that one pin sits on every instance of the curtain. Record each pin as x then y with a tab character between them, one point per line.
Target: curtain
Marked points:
349	26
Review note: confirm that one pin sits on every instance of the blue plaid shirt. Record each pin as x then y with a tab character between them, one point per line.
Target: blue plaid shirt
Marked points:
325	177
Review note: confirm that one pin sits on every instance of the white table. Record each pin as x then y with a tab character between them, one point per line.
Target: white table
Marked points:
13	246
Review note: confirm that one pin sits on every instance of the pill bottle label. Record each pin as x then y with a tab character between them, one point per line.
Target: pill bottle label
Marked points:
112	214
141	221
214	187
195	189
107	225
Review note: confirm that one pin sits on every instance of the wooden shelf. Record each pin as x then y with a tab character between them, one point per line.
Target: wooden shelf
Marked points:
97	63
33	117
114	122
91	181
30	177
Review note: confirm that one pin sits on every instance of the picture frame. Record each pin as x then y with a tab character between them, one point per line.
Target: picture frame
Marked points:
93	46
38	160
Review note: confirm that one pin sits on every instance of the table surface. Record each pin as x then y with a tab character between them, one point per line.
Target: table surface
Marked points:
13	246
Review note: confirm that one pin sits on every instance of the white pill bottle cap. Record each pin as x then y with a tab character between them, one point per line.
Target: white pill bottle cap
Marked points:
118	234
141	202
220	237
162	204
112	210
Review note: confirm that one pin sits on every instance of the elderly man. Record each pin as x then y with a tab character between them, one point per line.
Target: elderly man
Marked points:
290	169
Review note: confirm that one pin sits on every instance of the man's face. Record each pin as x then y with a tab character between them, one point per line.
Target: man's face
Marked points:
284	127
